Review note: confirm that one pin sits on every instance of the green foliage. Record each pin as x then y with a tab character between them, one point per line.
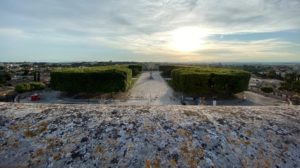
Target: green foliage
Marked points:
292	86
27	87
23	87
291	77
36	76
167	69
26	72
136	69
291	82
296	86
103	79
195	81
4	76
255	69
267	89
272	74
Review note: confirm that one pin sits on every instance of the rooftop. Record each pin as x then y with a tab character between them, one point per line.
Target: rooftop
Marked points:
49	135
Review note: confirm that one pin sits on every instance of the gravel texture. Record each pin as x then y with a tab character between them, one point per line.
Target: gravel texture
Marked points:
41	135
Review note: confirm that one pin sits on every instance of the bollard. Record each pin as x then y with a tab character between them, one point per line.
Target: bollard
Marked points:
214	102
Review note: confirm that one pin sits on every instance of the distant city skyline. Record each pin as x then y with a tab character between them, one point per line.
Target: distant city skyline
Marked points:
143	30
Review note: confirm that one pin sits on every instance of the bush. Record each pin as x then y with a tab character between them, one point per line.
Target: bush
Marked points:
23	87
27	87
103	79
37	85
267	89
136	69
195	81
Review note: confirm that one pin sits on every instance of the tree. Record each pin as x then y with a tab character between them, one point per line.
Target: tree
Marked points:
25	72
291	82
4	76
291	77
39	76
34	76
296	86
271	74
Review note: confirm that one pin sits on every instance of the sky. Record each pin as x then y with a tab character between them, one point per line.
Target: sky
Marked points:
150	30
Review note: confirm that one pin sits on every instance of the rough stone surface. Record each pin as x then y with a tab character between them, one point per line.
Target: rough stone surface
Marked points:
41	135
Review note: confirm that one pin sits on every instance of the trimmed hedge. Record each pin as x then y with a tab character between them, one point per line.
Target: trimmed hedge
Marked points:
27	87
167	69
195	81
103	79
136	69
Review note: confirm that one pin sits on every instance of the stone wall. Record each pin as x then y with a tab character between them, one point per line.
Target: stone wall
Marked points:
41	135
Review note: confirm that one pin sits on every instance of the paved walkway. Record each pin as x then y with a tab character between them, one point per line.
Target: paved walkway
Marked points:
258	99
153	91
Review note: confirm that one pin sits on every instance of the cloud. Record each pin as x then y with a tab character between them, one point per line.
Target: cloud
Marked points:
11	32
148	17
144	26
262	50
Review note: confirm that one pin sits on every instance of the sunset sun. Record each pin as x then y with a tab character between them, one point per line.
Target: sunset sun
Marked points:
187	39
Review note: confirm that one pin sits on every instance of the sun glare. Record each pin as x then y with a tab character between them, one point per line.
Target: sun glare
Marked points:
187	39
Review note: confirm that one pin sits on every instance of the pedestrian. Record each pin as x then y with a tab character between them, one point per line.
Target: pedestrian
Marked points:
244	97
199	101
17	99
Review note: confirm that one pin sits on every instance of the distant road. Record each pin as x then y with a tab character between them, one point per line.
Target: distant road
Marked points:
262	100
151	91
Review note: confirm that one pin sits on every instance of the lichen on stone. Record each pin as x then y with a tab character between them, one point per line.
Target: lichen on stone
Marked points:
49	135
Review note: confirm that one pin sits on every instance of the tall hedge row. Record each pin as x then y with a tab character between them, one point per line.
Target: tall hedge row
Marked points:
91	79
136	69
167	69
195	81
